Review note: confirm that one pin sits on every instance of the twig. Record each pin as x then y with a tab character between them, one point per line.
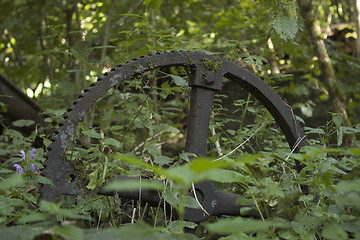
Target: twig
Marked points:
298	141
133	216
139	201
131	9
217	143
148	139
197	200
241	144
97	227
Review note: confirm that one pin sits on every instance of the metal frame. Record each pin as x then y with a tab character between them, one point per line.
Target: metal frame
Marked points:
206	75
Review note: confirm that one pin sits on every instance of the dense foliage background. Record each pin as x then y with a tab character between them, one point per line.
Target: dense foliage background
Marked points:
52	50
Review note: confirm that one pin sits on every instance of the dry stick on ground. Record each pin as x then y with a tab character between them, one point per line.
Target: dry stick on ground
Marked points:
312	26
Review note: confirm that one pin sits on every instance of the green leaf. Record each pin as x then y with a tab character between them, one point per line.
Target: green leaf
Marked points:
171	197
132	185
3	107
310	130
153	4
13	181
177	226
178	80
337	120
286	27
190	202
224	176
187	156
162	160
113	142
92	133
46	142
298	227
80	48
43	180
94	180
238	225
55	209
29	197
23	123
7	205
348	186
34	217
138	162
203	164
300	119
69	232
139	231
19	232
333	231
182	174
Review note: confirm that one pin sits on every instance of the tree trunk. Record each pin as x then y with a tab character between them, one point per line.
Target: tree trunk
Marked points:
356	4
312	26
106	31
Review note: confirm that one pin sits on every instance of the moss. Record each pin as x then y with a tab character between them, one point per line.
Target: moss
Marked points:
212	64
150	64
135	66
190	61
79	171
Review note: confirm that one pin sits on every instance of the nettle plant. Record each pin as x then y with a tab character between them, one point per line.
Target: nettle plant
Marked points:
20	175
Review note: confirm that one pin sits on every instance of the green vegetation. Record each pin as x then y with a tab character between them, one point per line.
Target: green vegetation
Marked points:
53	50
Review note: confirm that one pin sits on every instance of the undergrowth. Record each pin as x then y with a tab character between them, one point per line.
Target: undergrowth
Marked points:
140	133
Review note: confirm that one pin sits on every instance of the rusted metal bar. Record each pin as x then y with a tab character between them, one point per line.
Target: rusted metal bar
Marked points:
19	105
201	103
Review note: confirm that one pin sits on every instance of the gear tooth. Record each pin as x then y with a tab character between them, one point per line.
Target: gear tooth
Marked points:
173	51
142	56
53	139
81	96
158	53
100	78
86	90
66	116
57	131
69	109
107	73
120	65
74	103
134	59
126	62
113	69
93	84
61	123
